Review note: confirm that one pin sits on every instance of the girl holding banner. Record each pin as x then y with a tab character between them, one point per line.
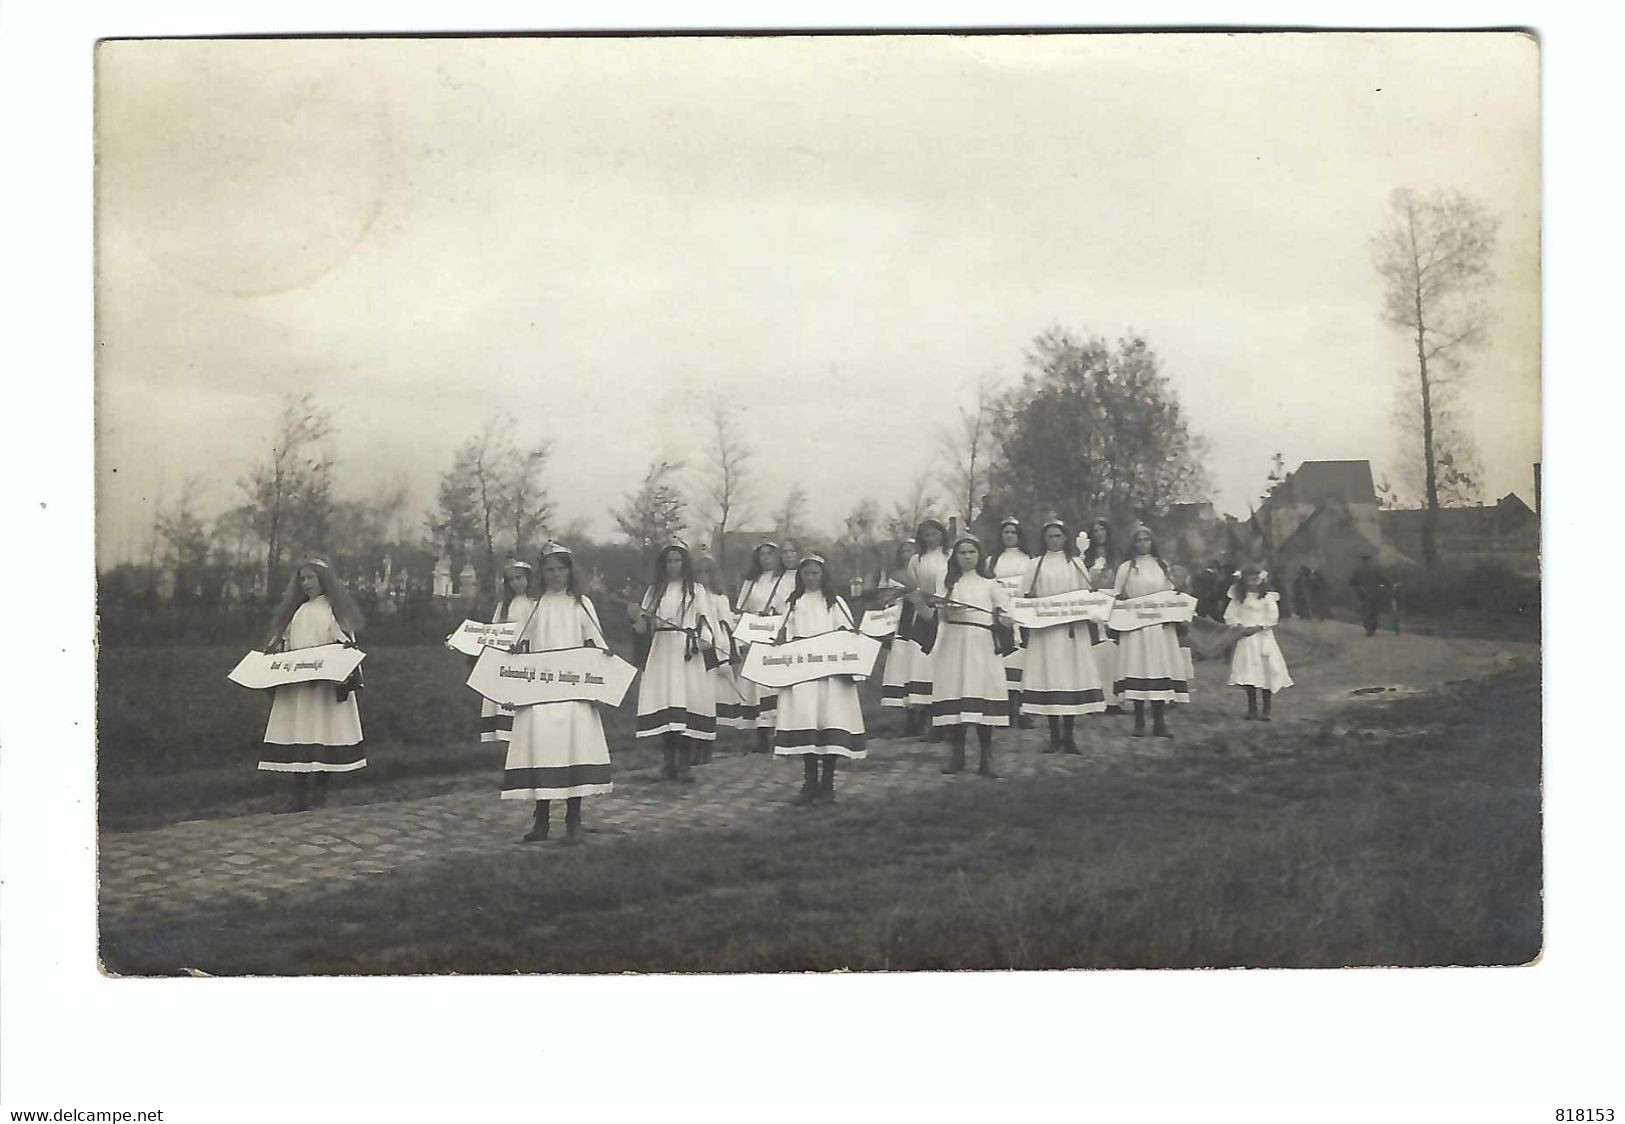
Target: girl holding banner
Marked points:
1100	560
557	750
903	651
820	719
1013	561
496	720
732	711
314	728
765	591
677	700
1062	680
927	571
966	666
1150	668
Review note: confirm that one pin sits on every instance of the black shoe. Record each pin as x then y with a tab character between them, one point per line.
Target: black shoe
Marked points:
536	834
1072	748
1161	731
1052	747
572	831
807	797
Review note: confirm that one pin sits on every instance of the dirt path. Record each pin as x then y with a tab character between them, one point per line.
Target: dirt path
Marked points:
175	868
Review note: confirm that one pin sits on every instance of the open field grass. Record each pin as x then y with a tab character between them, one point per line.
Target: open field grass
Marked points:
1403	832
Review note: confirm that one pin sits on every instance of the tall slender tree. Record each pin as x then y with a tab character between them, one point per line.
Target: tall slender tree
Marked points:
726	490
290	490
1434	257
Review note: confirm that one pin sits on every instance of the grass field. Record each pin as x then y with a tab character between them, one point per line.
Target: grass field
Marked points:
1402	833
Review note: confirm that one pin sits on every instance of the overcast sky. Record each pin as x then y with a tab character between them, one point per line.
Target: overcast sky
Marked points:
842	234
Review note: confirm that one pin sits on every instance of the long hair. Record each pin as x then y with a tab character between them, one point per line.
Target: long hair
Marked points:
657	587
1021	542
1134	559
755	570
1238	589
711	583
508	594
1069	548
919	536
1099	548
349	617
954	571
570	586
826	587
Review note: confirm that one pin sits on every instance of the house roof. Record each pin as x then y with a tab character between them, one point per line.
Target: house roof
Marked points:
1318	482
1509	514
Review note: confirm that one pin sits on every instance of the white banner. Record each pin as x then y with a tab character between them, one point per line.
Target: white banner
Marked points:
1062	608
1155	608
565	675
758	628
1014	586
473	637
881	623
329	663
813	657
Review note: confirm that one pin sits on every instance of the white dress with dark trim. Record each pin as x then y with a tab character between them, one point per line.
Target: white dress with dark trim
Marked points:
967	674
1061	677
1257	660
821	715
496	720
1150	666
1013	563
676	694
764	596
557	749
901	655
1102	575
733	710
310	730
925	571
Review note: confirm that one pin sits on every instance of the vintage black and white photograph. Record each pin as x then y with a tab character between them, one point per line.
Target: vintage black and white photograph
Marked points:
800	503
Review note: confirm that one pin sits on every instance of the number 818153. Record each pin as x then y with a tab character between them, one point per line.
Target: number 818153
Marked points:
1585	1115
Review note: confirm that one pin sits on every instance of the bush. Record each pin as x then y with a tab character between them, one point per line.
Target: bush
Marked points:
1482	588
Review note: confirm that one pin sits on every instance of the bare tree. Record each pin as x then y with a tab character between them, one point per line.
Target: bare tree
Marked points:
493	489
726	490
968	444
656	511
789	519
525	502
1434	255
290	490
907	513
185	535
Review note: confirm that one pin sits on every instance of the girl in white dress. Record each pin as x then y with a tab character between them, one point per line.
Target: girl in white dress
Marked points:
766	590
314	728
731	706
967	668
557	751
821	719
902	651
1062	680
1256	664
927	571
1013	561
1150	667
1101	561
677	701
496	720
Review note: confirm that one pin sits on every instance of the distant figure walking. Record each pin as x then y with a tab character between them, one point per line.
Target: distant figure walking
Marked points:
1320	596
1372	589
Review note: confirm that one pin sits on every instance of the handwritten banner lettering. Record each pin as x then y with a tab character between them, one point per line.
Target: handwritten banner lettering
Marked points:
1155	608
326	663
473	637
564	675
778	666
1062	608
881	623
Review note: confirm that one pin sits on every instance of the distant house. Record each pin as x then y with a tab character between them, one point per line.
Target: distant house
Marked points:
1505	533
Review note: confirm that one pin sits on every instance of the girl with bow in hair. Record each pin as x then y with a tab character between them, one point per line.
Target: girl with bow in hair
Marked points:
1257	663
518	598
1061	679
765	591
314	728
732	710
1013	561
676	697
557	750
819	720
966	663
1150	666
